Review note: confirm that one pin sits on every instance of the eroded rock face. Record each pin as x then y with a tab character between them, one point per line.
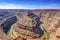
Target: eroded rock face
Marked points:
58	32
7	24
28	26
5	27
3	36
51	23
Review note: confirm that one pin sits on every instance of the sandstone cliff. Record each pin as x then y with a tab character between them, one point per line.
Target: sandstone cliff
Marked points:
26	28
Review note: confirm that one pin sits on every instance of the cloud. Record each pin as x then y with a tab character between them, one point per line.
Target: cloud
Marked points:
50	6
9	6
14	6
54	4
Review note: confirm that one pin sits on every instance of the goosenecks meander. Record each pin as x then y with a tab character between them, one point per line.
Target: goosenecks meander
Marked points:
8	26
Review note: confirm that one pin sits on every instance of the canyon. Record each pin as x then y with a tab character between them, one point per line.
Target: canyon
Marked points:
27	24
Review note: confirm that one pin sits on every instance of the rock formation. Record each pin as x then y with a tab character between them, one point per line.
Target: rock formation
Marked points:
27	25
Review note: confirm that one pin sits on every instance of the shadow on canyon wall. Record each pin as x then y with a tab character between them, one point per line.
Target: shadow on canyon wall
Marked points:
36	29
7	24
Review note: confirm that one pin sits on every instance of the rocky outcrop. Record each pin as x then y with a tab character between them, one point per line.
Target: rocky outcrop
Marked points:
3	36
50	21
5	27
27	24
7	24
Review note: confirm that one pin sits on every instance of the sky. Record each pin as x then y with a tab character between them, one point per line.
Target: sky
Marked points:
29	4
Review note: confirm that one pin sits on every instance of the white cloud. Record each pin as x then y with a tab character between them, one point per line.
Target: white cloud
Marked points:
14	6
54	4
50	6
9	6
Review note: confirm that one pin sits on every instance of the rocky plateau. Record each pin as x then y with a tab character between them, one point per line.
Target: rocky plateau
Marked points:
26	24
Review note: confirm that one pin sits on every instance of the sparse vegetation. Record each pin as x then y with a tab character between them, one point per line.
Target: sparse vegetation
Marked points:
10	32
26	26
46	34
